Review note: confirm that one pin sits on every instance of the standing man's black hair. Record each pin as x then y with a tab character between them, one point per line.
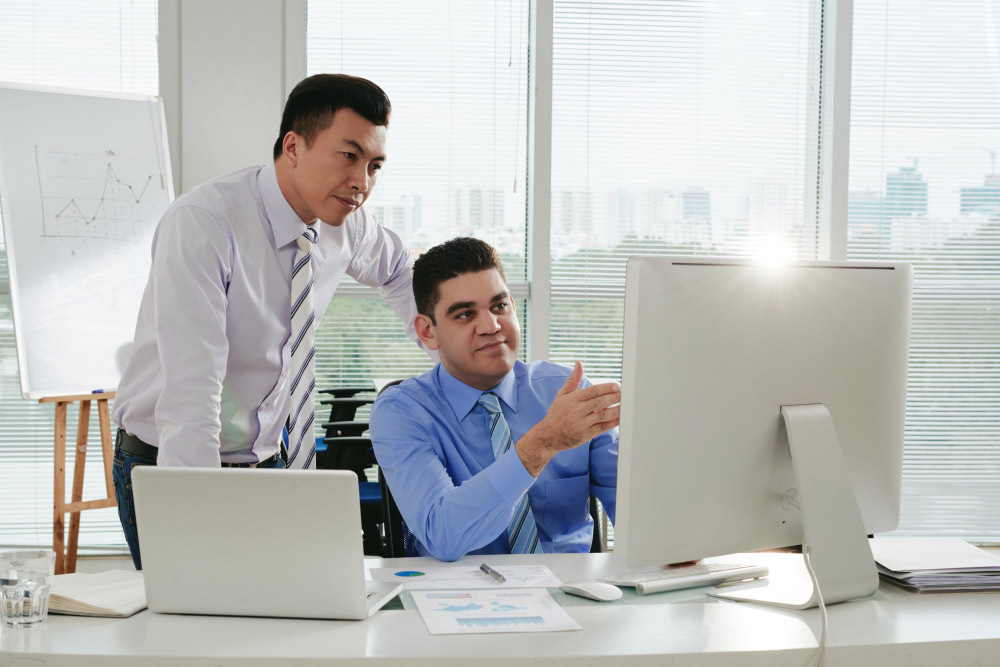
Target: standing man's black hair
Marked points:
449	260
314	101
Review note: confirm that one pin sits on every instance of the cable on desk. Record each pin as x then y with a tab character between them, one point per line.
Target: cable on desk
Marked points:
820	653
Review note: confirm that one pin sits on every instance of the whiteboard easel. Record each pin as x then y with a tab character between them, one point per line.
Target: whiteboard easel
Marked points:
84	178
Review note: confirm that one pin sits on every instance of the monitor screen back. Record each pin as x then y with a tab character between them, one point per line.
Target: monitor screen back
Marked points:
712	349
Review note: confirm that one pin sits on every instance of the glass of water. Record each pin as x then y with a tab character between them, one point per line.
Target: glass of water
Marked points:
24	597
35	559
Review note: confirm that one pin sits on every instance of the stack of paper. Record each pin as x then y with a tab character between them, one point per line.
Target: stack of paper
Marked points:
116	593
936	564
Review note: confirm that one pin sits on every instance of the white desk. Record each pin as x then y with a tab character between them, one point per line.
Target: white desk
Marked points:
680	628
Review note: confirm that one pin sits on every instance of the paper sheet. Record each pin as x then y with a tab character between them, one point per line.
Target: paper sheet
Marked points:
930	554
115	593
479	611
468	576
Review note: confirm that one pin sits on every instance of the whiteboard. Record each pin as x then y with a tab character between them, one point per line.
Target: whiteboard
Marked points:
84	178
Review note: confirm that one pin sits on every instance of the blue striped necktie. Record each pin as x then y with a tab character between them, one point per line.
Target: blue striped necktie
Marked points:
522	534
301	442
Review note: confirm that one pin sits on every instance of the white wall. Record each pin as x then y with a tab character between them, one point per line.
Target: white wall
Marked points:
226	68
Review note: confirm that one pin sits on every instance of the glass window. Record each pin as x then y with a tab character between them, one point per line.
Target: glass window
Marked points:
678	128
924	188
457	77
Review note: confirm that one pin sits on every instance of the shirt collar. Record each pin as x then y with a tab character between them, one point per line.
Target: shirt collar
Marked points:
463	398
286	225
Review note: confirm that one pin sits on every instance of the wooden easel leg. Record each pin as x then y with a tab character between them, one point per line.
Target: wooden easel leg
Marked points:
66	554
82	429
59	488
107	449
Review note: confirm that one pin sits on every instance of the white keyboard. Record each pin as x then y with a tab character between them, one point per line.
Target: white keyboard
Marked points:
688	576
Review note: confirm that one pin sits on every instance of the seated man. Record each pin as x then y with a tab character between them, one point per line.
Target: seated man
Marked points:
485	454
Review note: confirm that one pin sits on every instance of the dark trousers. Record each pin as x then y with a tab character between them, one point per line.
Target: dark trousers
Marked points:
121	474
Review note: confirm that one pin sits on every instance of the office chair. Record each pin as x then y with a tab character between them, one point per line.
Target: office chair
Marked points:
399	541
345	448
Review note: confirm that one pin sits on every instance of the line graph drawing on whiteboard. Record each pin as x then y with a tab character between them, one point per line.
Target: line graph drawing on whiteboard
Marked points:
99	195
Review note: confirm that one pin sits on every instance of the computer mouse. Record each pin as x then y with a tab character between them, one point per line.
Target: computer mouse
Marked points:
593	590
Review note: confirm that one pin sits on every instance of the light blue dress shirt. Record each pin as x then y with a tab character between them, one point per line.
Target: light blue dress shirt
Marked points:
432	441
208	377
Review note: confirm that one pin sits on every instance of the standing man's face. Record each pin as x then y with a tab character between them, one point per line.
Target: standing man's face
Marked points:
333	176
475	329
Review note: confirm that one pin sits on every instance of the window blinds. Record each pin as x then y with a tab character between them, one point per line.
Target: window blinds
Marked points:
457	77
924	188
678	128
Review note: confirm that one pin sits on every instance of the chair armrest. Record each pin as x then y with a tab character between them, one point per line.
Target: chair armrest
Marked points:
346	392
344	409
350	453
352	402
344	429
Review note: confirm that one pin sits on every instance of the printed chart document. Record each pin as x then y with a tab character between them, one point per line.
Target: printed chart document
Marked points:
477	611
468	576
115	593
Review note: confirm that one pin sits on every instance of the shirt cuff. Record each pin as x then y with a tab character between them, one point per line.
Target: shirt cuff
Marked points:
509	477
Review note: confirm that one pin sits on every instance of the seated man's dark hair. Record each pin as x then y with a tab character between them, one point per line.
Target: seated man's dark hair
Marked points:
446	261
315	100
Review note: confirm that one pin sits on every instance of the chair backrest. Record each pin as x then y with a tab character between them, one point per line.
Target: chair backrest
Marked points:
597	543
345	448
399	541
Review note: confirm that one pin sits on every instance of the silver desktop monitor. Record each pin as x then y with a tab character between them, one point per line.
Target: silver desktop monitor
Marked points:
763	407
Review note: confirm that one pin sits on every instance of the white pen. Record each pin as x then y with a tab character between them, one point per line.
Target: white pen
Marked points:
493	573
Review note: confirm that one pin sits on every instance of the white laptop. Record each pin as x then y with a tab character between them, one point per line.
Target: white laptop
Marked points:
254	542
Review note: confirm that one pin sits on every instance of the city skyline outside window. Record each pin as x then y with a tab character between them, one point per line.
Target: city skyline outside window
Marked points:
924	188
679	128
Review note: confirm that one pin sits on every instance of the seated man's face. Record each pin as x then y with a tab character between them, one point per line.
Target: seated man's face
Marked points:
475	330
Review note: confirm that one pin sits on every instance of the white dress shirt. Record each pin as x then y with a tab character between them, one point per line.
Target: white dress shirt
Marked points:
207	380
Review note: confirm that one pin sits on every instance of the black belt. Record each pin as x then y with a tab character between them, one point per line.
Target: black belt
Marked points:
130	444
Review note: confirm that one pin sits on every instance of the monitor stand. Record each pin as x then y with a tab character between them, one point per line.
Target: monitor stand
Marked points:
835	541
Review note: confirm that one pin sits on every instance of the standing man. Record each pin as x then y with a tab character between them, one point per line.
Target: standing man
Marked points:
243	268
485	454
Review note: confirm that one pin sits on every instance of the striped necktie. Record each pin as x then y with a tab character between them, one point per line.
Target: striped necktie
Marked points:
301	442
522	534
